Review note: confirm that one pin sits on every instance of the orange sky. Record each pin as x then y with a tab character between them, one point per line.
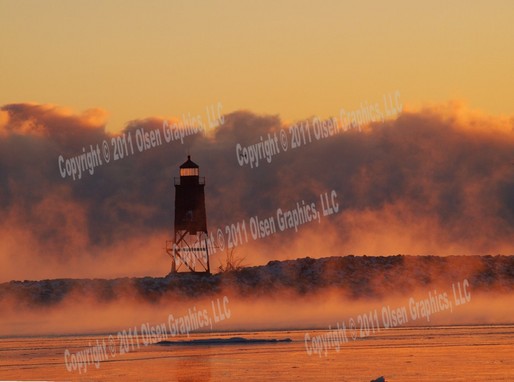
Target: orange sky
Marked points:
138	59
437	180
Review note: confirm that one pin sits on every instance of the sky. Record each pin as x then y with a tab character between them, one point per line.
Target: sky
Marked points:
136	59
434	177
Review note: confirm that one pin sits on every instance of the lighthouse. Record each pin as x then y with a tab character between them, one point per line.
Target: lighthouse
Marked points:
189	249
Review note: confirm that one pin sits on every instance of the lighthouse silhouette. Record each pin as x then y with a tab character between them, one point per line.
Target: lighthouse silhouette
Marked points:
189	250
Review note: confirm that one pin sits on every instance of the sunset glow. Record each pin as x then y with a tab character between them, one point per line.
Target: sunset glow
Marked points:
246	190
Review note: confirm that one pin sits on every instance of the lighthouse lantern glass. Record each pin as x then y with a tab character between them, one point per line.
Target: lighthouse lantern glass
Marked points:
189	172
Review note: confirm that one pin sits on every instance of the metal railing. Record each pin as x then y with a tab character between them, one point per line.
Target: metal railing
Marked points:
201	180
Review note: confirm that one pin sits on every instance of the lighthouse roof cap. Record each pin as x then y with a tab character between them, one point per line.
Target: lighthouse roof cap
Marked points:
189	163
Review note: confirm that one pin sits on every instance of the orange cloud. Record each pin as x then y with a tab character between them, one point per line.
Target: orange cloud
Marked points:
437	180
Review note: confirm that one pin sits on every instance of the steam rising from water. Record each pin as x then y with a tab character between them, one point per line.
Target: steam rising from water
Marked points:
439	180
305	293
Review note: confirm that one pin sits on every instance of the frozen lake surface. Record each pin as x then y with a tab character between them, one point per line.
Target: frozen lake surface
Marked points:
456	353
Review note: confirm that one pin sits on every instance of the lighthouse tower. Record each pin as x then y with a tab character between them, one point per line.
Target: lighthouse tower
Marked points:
189	249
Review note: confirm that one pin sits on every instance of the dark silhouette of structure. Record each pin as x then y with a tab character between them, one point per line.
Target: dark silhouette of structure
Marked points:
189	250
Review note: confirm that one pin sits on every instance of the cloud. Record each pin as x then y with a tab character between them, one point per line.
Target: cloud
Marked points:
437	180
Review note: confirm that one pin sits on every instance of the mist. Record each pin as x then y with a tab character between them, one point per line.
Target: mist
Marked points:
283	295
437	180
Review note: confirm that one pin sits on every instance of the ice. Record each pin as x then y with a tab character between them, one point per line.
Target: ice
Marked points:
404	354
225	341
